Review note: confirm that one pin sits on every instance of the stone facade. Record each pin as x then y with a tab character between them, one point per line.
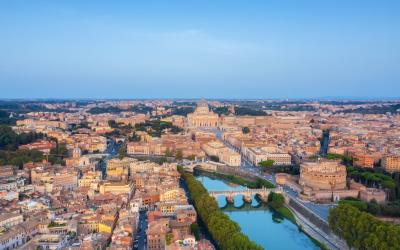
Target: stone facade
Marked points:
323	175
257	154
391	163
203	117
225	155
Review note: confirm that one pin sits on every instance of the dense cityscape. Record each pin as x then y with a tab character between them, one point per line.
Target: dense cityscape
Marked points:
199	125
136	174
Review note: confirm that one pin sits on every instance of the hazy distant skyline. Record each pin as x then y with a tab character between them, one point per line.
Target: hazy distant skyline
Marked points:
189	49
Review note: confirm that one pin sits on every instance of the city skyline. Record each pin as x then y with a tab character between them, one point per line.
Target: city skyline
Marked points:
199	125
263	50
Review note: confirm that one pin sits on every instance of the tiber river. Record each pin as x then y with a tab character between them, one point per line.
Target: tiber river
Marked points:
260	224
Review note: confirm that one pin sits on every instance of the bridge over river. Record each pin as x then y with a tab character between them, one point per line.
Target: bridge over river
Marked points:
261	193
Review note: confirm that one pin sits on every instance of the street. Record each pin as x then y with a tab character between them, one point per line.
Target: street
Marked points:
112	150
140	239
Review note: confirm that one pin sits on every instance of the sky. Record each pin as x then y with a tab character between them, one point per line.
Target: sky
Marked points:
258	49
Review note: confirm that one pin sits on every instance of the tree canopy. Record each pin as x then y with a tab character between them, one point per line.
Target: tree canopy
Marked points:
19	157
58	153
156	127
245	130
391	209
5	118
122	152
377	178
137	108
10	140
214	158
363	231
266	163
179	154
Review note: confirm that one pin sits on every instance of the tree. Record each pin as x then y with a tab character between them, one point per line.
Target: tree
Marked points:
191	157
179	154
276	200
112	124
194	228
168	238
267	163
10	140
362	230
249	111
360	205
19	157
373	207
122	152
168	152
389	184
58	153
6	119
134	137
214	158
245	130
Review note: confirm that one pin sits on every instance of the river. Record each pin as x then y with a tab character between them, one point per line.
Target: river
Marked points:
260	224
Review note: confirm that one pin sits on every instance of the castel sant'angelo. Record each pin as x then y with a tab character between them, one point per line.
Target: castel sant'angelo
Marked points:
323	175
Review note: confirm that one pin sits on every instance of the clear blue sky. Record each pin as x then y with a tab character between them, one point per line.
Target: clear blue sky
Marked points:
204	48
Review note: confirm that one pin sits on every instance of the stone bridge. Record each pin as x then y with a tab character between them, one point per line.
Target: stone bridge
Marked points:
206	165
247	194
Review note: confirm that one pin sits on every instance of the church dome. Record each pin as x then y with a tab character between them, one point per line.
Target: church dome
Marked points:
202	107
77	153
202	103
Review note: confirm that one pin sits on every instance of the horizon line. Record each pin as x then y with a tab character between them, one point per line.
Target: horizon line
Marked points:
381	99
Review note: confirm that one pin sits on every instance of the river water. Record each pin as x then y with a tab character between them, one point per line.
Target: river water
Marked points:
260	224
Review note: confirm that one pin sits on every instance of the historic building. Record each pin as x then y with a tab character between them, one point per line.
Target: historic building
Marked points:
202	116
225	154
119	168
391	163
257	154
328	175
326	181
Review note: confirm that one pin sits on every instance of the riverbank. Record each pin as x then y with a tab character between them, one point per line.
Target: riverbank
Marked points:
226	233
316	242
316	235
286	213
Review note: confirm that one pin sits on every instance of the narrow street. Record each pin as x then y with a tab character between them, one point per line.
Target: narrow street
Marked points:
112	151
140	238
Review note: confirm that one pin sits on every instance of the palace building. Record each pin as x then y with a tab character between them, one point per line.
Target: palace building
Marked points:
202	116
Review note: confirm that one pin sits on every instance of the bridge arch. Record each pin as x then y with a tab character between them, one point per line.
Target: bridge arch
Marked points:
247	194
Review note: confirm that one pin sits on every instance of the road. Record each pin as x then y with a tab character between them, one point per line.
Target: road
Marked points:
111	151
140	240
